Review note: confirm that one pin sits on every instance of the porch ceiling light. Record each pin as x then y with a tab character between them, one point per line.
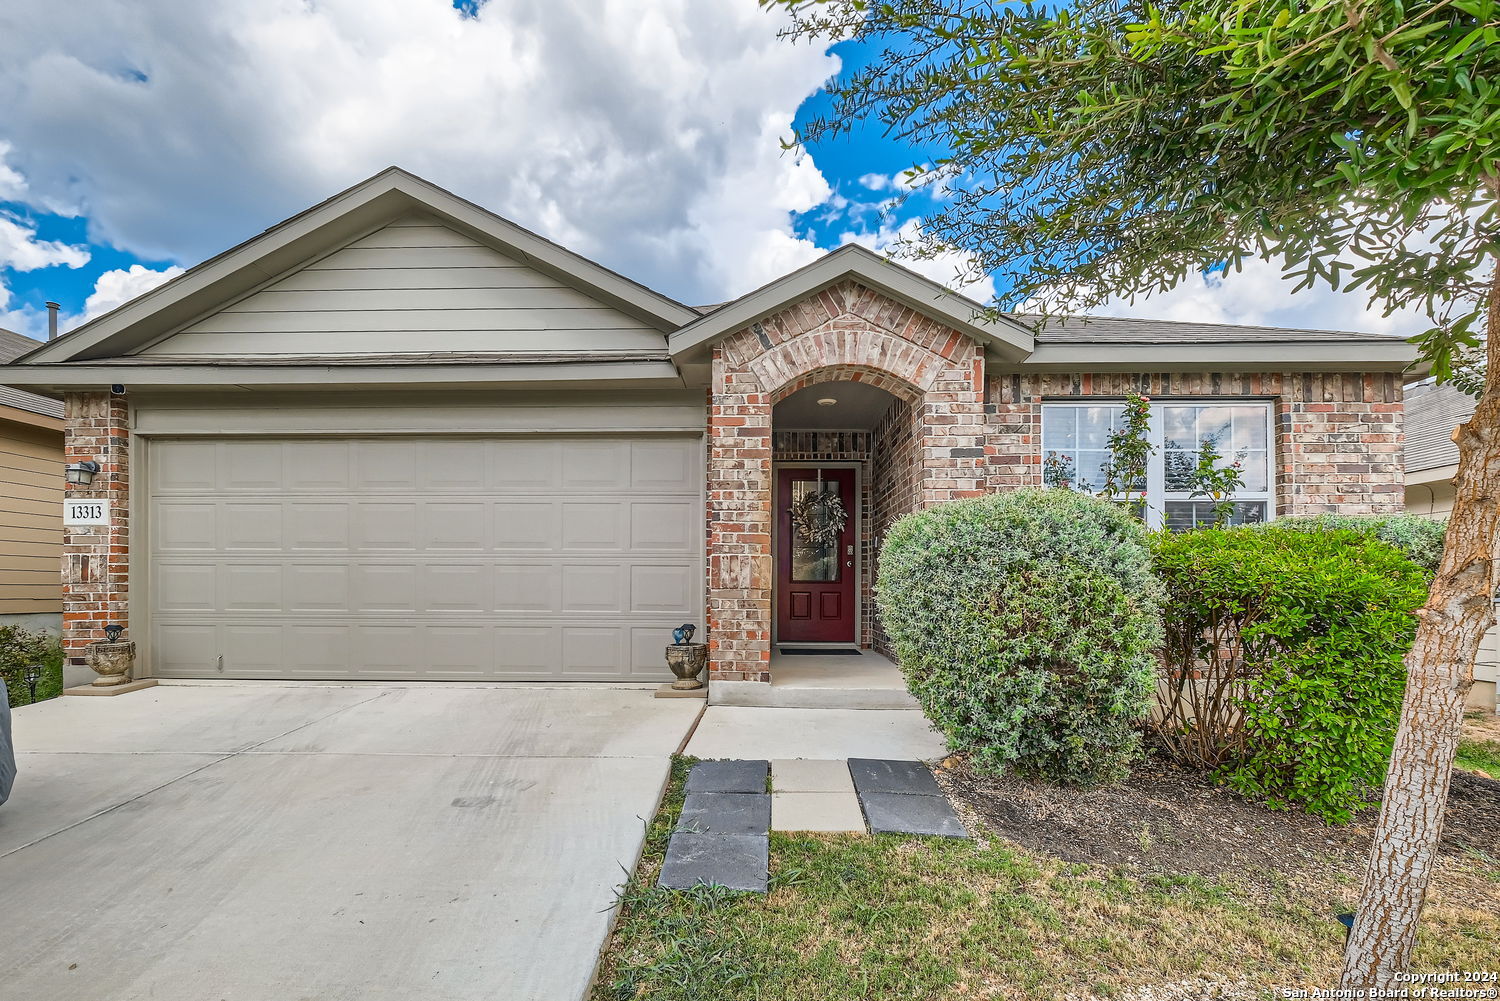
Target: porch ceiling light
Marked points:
82	473
827	401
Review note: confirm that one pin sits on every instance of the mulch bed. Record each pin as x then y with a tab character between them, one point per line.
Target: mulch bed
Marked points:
1169	820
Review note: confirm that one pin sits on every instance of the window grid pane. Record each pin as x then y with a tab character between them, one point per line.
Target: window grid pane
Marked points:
1075	449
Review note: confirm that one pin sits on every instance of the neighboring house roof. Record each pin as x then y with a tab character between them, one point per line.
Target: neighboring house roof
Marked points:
134	343
13	346
1432	412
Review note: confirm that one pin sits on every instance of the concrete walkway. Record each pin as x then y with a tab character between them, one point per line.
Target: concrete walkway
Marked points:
244	842
826	734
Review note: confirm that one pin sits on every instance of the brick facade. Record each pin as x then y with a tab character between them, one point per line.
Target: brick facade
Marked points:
1338	436
96	570
846	332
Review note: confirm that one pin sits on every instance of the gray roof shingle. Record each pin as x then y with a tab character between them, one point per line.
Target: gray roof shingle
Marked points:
1134	330
13	346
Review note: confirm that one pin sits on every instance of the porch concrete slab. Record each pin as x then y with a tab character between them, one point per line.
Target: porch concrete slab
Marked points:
331	874
728	776
810	775
743	732
903	813
911	777
725	813
738	861
824	812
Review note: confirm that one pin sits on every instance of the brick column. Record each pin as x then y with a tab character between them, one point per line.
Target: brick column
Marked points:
96	573
739	526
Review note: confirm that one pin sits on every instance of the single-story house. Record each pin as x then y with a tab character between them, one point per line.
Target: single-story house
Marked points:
1431	463
31	496
398	436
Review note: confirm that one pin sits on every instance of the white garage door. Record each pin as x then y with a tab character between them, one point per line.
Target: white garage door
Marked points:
535	558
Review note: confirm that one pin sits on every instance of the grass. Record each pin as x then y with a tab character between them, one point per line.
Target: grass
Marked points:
901	917
1479	756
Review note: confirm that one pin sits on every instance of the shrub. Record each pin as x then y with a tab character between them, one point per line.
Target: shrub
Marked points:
1283	659
1025	623
1419	539
20	647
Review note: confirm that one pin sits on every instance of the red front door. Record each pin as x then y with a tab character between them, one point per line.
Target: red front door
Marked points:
815	562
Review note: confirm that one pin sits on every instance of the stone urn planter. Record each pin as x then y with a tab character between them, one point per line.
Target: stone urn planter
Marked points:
687	661
113	662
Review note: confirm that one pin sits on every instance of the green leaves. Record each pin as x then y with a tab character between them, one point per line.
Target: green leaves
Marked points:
1303	627
1116	147
1025	624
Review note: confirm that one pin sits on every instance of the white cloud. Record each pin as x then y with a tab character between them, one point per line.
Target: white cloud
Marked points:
876	182
948	268
1259	295
20	250
115	288
12	184
643	133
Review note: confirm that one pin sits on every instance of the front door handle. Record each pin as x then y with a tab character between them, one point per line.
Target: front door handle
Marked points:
848	563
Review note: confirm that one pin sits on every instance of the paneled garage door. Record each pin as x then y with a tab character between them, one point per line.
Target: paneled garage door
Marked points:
532	558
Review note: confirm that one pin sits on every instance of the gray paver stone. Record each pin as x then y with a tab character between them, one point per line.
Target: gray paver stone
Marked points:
738	861
910	777
728	776
904	813
725	813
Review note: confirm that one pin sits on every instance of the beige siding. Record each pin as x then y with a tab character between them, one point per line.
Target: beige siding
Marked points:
31	494
414	286
1430	495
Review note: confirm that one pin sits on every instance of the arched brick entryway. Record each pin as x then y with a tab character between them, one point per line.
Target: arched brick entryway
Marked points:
846	332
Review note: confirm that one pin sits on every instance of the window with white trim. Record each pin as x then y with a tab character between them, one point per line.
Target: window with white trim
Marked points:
1075	450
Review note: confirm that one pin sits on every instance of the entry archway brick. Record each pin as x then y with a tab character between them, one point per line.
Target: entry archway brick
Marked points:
846	332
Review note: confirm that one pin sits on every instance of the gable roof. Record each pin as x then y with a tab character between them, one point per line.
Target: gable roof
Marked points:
1137	330
1003	337
1432	412
330	224
13	346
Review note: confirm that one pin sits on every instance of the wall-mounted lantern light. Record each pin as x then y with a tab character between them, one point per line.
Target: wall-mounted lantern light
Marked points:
82	473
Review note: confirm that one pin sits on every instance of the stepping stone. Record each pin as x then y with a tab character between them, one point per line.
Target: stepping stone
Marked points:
825	812
725	813
728	776
810	775
908	777
738	861
905	813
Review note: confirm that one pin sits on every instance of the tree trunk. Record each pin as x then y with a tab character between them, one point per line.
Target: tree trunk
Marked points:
1440	672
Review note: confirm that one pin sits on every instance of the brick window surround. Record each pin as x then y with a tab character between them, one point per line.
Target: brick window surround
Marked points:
843	333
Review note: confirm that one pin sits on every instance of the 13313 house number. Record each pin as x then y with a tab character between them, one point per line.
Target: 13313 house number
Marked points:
86	512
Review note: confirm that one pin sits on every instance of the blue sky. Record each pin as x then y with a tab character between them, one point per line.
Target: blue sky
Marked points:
139	139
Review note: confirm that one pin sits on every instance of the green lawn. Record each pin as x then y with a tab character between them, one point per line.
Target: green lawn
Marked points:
1480	756
900	917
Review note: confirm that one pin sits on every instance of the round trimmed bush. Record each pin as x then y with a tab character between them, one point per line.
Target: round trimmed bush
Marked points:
1026	623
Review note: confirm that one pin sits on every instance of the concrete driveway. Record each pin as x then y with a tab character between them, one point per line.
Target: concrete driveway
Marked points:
246	842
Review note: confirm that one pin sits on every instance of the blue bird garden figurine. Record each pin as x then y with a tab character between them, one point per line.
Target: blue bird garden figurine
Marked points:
684	633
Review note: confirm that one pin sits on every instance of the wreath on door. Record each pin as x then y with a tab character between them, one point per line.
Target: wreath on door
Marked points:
819	519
